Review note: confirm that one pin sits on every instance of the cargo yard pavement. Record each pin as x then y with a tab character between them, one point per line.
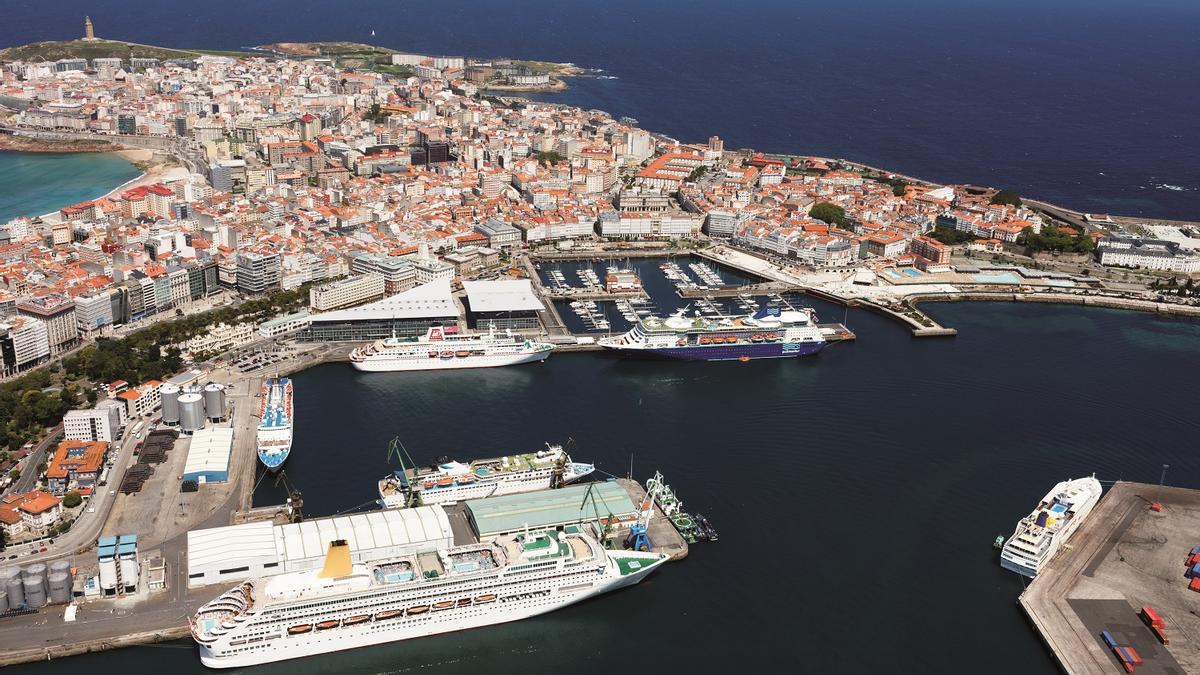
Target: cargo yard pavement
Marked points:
1124	556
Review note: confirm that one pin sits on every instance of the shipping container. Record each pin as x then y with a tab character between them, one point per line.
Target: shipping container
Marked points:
1123	654
1108	639
1194	584
1134	657
1152	618
1162	637
1194	571
1127	666
1195	550
1193	559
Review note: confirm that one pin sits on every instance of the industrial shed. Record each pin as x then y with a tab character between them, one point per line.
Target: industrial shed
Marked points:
504	303
491	516
208	455
235	552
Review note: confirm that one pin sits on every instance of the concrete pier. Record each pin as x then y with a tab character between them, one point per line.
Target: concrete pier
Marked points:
664	538
1124	556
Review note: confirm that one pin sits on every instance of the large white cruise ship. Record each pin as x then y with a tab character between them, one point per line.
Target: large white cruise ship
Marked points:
1041	534
441	349
275	422
452	481
346	605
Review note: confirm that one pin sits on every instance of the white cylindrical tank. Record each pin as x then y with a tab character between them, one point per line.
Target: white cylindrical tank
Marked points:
36	569
170	404
35	592
61	567
214	401
3	599
16	591
108	574
129	571
191	412
60	588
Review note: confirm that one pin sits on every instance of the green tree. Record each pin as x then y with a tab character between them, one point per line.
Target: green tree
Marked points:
550	157
1006	197
72	499
830	213
951	237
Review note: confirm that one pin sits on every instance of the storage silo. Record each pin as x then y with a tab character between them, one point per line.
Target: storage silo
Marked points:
61	567
214	401
60	587
36	569
108	574
35	592
3	599
191	412
16	591
129	572
170	403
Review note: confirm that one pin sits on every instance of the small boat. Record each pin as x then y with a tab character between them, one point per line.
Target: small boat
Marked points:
463	602
350	621
446	355
439	606
463	353
388	614
445	482
300	629
433	355
326	625
419	609
485	598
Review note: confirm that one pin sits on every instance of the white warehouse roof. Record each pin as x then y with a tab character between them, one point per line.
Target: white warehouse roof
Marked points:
208	455
431	300
235	552
502	295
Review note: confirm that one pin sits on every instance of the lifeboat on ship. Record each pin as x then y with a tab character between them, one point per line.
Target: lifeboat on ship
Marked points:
485	598
444	604
352	620
388	614
757	337
419	609
300	629
681	342
463	353
433	355
446	355
445	482
326	625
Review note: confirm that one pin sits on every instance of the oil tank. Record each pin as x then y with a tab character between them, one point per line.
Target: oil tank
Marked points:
60	588
191	412
35	592
35	570
170	404
108	574
61	567
16	591
214	401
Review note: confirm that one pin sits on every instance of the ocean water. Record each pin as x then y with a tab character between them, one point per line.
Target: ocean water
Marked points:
36	183
1086	103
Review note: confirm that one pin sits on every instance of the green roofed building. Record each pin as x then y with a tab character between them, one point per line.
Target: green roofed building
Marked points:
493	516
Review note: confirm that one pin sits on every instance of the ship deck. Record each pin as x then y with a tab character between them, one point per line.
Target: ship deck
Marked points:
1124	556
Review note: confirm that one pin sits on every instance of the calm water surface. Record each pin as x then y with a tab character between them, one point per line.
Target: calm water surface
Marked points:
37	183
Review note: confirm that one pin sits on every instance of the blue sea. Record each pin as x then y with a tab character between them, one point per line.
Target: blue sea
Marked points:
1088	104
36	183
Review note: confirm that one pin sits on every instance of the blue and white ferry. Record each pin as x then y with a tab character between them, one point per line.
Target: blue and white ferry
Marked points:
275	422
768	334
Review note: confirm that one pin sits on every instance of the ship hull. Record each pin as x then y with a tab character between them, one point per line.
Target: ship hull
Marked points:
393	365
375	632
274	461
476	490
734	352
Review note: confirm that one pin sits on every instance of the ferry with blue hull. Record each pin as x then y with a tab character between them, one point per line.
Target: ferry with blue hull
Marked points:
768	334
275	423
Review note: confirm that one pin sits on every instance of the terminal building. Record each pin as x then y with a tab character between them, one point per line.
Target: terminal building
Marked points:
494	516
208	455
227	555
409	313
504	303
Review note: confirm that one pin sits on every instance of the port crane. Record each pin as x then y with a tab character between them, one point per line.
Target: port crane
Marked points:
603	526
639	539
411	497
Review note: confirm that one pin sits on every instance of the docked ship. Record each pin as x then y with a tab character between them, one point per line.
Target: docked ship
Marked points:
441	349
275	422
452	481
345	605
768	334
1041	534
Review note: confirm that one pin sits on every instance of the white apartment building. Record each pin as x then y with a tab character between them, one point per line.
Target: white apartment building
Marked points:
346	292
100	424
24	343
1153	254
218	338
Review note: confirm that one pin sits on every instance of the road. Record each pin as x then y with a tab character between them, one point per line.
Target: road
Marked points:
29	476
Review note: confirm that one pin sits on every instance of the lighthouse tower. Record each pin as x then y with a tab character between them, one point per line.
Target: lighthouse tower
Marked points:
88	32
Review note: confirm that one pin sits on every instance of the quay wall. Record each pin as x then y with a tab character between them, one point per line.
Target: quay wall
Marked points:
11	657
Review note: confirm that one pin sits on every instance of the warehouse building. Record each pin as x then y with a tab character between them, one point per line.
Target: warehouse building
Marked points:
409	313
504	303
235	552
493	516
208	455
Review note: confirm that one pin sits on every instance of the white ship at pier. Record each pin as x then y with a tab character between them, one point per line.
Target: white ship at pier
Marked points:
1041	534
443	349
346	605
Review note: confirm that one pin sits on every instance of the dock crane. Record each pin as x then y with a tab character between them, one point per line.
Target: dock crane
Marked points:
411	497
603	526
638	539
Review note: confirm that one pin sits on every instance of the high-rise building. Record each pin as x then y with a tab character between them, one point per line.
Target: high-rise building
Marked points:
258	272
24	343
103	423
346	292
58	313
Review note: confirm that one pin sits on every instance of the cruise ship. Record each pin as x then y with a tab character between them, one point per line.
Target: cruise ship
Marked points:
345	605
442	349
275	422
452	481
1041	534
768	334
